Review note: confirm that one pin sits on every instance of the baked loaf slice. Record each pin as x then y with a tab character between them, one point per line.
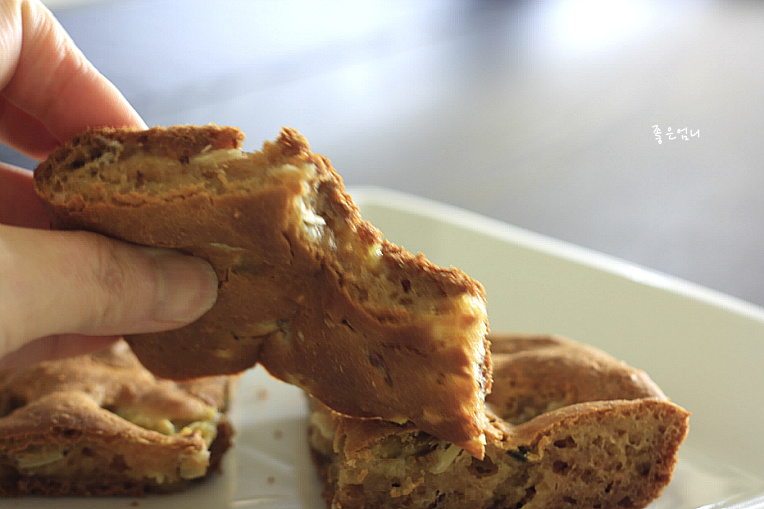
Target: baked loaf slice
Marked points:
570	428
306	287
101	424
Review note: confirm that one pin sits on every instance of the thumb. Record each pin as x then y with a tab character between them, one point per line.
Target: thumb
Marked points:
81	283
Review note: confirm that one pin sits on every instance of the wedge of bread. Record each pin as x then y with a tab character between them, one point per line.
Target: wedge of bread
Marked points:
306	287
570	427
101	424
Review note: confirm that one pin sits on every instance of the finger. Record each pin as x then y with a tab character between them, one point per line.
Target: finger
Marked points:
56	282
19	205
24	133
52	81
55	347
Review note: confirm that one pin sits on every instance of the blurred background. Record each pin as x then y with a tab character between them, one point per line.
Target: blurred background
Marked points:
629	127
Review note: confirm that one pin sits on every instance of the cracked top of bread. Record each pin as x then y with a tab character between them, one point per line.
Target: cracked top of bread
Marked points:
306	287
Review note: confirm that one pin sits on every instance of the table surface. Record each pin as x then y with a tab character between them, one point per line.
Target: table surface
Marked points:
629	127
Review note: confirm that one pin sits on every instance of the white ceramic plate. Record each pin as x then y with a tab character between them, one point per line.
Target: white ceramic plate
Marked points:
704	349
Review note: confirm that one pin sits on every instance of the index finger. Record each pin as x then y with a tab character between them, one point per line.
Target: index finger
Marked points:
49	80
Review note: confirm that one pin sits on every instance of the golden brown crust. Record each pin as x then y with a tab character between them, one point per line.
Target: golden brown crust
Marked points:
306	287
537	373
595	434
101	424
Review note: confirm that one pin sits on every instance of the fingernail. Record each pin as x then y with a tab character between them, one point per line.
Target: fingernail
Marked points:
187	287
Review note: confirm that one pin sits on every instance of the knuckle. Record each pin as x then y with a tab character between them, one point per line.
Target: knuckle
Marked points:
109	279
16	298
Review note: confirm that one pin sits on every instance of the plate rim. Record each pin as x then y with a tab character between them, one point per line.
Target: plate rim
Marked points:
461	217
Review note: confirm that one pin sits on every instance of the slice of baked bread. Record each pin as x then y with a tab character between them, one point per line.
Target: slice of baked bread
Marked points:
101	424
570	427
306	287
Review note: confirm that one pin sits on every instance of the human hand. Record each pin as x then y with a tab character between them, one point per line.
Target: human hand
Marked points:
68	293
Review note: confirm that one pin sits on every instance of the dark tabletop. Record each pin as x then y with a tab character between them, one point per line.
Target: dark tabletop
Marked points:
540	115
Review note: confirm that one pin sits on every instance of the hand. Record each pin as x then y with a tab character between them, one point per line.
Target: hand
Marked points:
67	293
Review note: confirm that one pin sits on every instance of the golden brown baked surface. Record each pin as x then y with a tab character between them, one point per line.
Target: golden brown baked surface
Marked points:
306	287
101	424
571	427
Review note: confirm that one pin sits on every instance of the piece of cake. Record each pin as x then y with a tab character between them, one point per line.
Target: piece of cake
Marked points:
101	424
570	427
306	287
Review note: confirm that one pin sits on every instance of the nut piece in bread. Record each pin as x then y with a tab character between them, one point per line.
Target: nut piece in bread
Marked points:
306	287
101	424
570	428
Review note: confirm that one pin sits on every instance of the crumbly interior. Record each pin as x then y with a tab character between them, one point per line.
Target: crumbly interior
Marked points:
604	464
93	461
212	171
401	471
370	272
101	423
70	458
285	223
556	451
